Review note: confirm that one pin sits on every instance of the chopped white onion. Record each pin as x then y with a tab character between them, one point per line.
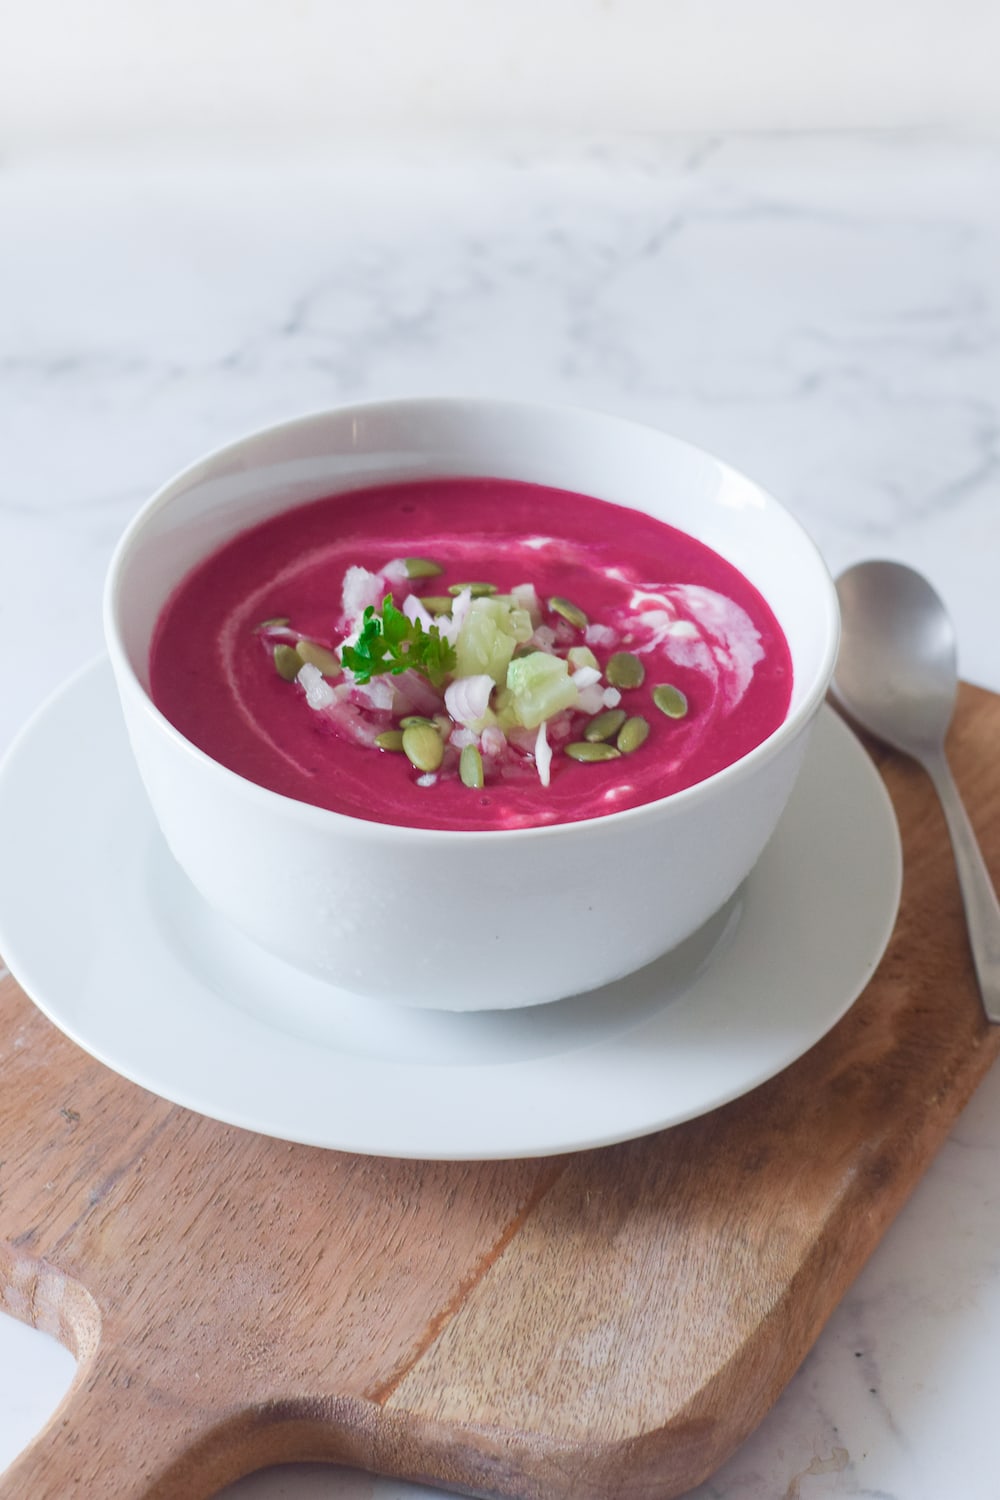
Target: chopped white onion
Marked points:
414	610
319	693
428	779
585	677
361	588
591	700
468	698
525	596
353	722
459	610
396	570
545	637
543	755
600	635
448	626
611	697
377	694
463	738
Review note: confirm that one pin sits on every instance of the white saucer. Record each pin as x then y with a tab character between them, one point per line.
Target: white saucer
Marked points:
111	942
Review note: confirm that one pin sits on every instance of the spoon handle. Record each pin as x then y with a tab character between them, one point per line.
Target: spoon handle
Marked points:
982	909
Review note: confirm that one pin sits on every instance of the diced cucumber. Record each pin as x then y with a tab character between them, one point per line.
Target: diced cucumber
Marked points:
505	711
582	656
508	616
521	626
541	686
485	642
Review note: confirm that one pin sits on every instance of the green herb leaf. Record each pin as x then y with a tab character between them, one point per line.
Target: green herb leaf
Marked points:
389	642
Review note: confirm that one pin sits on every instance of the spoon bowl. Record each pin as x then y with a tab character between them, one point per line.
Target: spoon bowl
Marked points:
897	670
897	676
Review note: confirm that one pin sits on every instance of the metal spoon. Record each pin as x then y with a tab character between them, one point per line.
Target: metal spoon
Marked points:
897	675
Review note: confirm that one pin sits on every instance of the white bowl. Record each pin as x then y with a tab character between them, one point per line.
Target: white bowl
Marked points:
519	916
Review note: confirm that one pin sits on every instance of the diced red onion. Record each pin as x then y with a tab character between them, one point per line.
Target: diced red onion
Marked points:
523	739
378	695
468	698
414	695
560	728
493	741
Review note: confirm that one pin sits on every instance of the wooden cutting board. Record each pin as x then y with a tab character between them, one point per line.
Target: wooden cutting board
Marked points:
608	1324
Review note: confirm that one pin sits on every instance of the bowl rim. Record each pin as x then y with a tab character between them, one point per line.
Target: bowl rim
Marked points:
326	819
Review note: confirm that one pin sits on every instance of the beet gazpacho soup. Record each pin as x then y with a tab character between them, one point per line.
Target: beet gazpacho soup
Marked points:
470	654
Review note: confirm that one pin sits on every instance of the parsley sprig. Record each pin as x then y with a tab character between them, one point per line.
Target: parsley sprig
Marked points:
389	642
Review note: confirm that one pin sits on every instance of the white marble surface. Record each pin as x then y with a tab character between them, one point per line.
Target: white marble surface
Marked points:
823	311
268	71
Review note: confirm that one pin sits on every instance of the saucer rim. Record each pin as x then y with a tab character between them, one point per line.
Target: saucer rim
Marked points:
832	738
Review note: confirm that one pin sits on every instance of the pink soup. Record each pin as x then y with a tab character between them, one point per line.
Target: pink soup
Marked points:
600	660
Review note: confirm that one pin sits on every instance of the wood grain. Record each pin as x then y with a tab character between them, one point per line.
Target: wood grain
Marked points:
607	1324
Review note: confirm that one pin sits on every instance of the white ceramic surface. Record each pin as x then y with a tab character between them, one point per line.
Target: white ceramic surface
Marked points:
522	918
223	1029
823	310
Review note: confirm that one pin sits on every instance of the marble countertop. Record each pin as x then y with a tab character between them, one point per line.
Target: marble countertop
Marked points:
822	311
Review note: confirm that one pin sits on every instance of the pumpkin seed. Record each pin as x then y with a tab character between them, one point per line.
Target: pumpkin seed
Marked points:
421	567
470	767
625	670
287	662
670	701
605	726
274	624
569	611
633	733
423	747
319	657
585	750
477	590
390	739
436	604
410	719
